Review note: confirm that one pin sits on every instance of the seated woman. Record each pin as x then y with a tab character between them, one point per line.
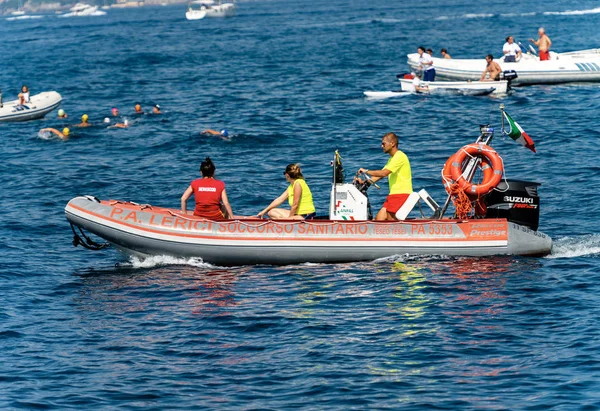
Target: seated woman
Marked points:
24	95
209	193
299	196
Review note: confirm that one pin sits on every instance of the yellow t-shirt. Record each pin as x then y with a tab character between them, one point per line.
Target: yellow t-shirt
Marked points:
400	180
306	205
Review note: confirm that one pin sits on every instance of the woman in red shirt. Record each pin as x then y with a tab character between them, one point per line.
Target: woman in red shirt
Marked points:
209	194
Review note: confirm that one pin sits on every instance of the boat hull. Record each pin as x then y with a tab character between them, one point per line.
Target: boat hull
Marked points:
144	231
460	87
562	68
40	105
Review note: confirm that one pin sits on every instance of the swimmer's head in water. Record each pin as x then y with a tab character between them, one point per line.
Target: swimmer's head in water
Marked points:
115	111
66	131
61	113
138	108
106	120
84	118
224	133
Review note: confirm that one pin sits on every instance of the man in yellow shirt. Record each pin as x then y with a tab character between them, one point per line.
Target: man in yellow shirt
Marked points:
397	170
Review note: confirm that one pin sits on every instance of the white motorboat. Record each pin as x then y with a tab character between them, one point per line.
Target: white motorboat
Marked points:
475	88
82	9
208	8
576	66
39	105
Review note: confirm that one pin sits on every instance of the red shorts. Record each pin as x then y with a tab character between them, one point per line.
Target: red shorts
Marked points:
544	55
393	202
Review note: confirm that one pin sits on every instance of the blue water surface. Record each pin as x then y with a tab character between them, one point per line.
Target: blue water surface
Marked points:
96	330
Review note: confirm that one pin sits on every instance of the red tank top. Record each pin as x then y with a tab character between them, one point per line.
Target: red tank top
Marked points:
207	192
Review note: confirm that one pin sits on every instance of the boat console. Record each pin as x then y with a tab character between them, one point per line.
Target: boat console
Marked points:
350	201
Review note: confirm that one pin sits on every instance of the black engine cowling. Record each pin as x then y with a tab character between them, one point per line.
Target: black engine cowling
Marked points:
515	200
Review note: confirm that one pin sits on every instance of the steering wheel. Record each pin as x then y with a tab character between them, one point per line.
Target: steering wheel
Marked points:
532	50
367	179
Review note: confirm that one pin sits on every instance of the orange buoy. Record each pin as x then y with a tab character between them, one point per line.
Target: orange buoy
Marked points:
491	166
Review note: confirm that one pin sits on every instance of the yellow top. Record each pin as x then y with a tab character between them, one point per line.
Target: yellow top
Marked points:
306	205
400	180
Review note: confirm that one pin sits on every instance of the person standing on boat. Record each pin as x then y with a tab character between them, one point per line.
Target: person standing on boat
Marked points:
209	193
24	95
492	68
511	50
298	195
397	170
426	64
543	43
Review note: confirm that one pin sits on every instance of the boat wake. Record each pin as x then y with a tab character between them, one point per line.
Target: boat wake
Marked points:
46	135
163	260
27	17
582	246
572	12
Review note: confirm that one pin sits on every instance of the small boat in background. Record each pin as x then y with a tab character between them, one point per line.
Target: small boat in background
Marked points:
576	66
82	9
38	106
208	8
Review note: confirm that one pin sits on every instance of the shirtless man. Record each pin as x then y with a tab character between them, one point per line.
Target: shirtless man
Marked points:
543	44
492	68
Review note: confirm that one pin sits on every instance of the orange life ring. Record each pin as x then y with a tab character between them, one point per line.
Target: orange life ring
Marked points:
491	165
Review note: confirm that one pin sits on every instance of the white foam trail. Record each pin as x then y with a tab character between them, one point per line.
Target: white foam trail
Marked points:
570	247
23	18
46	135
517	14
464	16
477	16
163	260
572	12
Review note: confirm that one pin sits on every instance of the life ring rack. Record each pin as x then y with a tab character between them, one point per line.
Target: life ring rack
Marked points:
491	165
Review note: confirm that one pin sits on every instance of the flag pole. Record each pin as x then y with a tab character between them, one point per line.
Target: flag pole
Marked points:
502	118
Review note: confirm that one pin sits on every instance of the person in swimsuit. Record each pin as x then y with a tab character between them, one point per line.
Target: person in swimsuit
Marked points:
397	170
64	135
543	43
209	193
298	195
492	68
84	121
445	54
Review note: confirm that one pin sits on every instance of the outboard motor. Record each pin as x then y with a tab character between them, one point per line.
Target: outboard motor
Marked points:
508	75
515	200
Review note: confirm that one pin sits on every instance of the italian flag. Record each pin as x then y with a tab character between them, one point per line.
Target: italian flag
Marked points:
517	133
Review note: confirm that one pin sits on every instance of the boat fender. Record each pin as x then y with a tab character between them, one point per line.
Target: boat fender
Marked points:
92	198
491	175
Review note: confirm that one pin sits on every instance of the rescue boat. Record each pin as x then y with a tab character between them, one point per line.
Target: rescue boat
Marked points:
497	217
39	105
575	66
